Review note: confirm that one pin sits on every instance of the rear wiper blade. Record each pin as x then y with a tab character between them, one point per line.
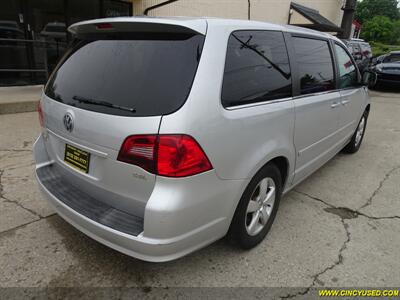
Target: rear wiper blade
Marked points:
102	103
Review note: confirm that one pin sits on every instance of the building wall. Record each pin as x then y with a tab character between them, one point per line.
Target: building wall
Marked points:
275	11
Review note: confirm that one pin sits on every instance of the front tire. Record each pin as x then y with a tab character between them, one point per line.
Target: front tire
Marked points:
257	207
355	143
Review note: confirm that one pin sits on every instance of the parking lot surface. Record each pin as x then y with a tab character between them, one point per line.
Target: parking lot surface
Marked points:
341	227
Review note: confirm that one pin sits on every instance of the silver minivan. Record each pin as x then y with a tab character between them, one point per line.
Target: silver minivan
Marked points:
162	135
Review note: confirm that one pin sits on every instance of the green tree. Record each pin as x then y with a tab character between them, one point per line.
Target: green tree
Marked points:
380	29
367	9
396	33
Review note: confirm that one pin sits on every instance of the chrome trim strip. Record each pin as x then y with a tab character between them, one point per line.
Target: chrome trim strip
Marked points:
91	150
316	94
258	103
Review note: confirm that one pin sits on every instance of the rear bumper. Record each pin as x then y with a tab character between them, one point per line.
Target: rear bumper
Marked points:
173	225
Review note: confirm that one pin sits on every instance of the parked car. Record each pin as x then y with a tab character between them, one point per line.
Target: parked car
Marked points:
160	136
387	69
10	30
55	30
13	54
361	51
55	36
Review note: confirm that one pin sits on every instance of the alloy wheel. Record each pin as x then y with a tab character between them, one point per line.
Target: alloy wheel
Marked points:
260	206
360	131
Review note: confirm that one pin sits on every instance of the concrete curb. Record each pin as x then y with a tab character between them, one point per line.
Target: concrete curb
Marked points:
19	99
18	107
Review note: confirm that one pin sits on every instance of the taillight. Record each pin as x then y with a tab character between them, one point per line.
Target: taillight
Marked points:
174	155
139	150
40	113
179	156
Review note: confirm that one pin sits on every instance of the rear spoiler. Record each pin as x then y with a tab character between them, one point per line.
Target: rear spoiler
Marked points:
139	24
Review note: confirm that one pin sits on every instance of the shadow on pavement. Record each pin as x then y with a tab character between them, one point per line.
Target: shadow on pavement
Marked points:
387	88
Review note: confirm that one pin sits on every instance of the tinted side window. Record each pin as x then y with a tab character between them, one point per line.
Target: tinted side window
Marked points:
347	70
315	65
392	58
256	68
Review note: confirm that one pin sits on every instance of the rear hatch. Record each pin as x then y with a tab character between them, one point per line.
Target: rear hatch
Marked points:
119	77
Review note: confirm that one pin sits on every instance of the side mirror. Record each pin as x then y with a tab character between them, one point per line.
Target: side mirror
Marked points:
369	78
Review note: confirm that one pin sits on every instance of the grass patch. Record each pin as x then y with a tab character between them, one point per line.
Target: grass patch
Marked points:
379	48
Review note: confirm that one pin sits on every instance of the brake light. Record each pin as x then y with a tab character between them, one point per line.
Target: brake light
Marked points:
104	26
40	113
167	155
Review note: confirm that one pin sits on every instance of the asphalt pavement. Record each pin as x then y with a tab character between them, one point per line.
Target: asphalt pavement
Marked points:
340	227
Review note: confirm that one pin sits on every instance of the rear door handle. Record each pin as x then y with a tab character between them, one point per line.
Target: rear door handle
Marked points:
344	102
335	104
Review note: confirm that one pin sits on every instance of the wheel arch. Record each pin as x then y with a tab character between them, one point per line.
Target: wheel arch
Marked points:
282	163
368	108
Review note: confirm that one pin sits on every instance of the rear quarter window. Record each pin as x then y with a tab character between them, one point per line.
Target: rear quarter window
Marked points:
151	74
256	68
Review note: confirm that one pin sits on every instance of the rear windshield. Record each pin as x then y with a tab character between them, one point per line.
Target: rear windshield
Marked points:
140	75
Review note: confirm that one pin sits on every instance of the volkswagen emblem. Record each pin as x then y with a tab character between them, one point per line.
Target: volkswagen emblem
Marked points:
68	122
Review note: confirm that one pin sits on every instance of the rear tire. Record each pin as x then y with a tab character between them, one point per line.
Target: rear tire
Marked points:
373	86
257	207
355	143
